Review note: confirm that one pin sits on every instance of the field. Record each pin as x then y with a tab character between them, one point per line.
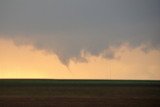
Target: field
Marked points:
79	93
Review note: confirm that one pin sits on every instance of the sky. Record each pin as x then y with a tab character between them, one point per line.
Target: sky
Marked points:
80	39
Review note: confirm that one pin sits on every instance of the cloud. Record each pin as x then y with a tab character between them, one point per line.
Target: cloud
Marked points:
68	27
28	62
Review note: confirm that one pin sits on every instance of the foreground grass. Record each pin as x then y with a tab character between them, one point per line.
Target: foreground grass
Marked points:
80	88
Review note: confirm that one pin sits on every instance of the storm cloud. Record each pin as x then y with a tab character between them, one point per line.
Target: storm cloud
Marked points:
68	27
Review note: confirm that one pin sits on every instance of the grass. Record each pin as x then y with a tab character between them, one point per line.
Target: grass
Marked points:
79	93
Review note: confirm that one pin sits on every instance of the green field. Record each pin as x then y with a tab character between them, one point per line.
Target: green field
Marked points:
79	88
79	92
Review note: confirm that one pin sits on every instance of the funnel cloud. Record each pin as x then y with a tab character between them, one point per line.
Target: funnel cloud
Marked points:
70	27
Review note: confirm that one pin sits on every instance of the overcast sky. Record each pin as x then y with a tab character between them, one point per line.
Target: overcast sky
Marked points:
66	27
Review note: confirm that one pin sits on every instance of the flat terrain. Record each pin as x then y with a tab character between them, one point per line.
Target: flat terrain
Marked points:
79	93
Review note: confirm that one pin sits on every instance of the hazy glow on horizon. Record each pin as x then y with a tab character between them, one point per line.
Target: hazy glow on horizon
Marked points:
27	62
80	39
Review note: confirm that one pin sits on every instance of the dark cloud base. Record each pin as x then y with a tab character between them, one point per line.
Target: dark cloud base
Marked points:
67	27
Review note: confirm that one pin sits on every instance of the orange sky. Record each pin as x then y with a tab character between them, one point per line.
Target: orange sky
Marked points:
27	62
